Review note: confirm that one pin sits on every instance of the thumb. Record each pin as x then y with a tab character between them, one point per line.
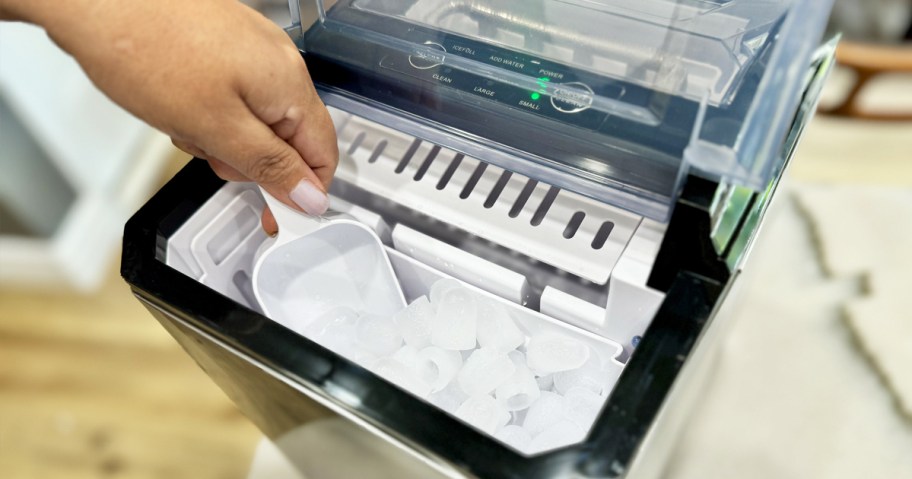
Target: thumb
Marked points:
276	166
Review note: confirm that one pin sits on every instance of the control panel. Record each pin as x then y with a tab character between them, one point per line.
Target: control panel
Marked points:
561	93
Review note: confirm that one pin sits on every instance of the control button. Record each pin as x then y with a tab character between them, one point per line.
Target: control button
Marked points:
424	59
572	97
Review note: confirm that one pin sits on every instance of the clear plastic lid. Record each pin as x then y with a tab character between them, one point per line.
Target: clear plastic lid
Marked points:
616	99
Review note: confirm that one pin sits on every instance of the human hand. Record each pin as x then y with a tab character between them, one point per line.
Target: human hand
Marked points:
223	81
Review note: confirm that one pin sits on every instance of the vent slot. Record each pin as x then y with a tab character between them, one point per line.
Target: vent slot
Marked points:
427	163
573	226
407	157
545	205
378	150
523	198
498	189
356	143
473	180
448	174
601	236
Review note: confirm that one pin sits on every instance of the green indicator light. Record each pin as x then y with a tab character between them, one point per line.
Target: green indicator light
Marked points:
535	96
544	79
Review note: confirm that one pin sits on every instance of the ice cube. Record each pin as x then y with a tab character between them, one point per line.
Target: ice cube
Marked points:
518	417
450	398
440	287
583	406
496	329
407	355
553	352
515	436
546	382
414	322
520	390
364	358
518	358
438	366
548	409
559	434
335	330
378	334
484	371
402	376
453	326
483	412
335	317
590	375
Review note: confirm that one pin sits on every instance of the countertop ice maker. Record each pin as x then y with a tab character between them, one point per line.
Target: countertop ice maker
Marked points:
596	168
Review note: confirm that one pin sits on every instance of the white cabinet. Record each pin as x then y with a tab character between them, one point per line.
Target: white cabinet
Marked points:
74	166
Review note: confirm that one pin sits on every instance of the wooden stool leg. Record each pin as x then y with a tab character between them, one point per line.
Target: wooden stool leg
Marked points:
868	61
849	105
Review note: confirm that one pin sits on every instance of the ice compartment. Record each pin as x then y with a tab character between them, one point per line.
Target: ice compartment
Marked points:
574	393
536	257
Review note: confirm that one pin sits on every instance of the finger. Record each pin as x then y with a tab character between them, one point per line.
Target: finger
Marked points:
253	149
189	149
311	132
221	169
225	171
269	223
301	120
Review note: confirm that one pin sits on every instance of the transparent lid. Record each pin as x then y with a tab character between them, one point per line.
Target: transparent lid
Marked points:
612	98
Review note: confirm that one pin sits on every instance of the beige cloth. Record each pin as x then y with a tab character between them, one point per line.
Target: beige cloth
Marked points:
886	338
860	230
794	395
866	232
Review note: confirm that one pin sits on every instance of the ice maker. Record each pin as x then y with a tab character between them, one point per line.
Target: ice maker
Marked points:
597	168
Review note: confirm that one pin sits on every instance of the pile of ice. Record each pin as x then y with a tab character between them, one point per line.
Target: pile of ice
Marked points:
465	354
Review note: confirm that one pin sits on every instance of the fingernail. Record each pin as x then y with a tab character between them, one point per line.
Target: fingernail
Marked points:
313	201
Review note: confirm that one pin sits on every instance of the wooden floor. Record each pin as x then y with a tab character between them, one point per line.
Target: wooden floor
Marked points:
91	386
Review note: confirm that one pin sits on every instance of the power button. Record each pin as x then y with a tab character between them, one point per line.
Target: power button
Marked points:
572	97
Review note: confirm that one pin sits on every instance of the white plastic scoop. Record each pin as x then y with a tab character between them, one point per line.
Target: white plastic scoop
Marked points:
316	264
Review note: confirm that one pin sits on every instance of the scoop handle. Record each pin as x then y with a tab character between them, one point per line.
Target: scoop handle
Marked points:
292	223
